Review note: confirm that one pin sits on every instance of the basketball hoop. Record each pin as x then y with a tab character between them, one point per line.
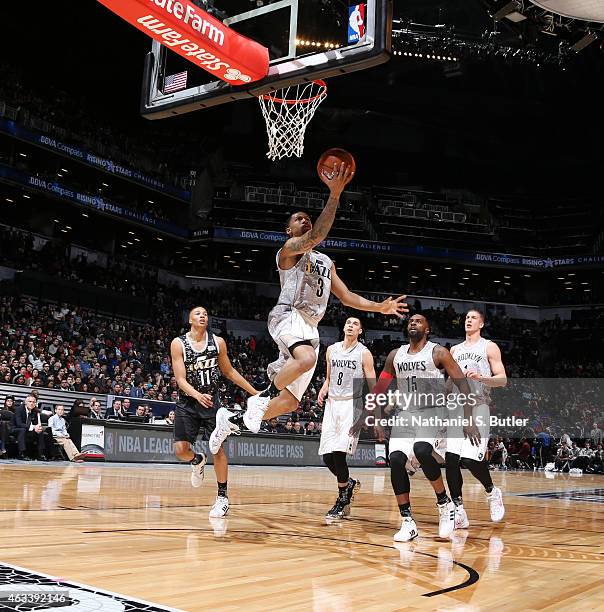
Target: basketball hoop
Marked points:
287	112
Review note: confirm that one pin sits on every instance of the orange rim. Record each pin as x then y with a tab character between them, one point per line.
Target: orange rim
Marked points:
319	83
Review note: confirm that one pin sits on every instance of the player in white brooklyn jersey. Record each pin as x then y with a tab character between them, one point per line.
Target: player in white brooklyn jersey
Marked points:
421	411
480	362
307	277
349	364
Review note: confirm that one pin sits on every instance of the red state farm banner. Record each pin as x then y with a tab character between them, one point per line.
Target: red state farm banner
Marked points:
197	36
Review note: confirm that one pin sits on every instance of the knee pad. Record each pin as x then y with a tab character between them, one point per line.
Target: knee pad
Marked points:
398	473
422	450
398	460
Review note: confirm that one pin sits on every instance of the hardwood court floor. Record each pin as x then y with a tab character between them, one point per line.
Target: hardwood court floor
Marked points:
142	531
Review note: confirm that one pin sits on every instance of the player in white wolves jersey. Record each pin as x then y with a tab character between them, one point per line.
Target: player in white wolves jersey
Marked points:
349	364
419	368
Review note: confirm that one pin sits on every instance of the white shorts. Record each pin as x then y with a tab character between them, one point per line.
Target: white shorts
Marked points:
287	327
457	443
337	421
405	437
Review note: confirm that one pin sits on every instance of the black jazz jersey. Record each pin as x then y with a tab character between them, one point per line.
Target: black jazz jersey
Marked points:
201	367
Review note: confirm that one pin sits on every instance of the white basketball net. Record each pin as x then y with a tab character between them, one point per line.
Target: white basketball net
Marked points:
287	112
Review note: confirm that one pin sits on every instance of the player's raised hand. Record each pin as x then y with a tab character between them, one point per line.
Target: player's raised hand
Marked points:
338	178
394	307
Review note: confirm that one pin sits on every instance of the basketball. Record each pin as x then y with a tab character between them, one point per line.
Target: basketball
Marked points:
327	162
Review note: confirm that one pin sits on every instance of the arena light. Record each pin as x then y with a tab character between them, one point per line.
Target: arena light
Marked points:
512	11
583	42
23	154
9	200
84	215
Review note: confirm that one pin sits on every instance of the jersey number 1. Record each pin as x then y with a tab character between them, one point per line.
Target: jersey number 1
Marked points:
412	384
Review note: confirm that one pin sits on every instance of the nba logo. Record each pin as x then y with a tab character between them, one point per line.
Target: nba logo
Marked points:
356	23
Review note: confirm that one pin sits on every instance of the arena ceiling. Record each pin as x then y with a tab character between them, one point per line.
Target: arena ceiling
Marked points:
486	122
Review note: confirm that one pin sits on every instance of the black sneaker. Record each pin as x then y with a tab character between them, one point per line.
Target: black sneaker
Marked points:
338	511
352	488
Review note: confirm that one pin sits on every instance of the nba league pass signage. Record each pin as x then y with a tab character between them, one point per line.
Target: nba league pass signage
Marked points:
155	444
200	38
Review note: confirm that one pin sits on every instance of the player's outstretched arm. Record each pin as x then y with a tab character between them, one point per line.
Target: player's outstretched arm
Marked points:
308	241
178	365
228	371
388	307
324	388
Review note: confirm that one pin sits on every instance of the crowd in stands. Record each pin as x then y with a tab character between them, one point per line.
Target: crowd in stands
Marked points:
544	452
67	117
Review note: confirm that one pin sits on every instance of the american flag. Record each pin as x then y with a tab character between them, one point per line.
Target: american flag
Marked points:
175	82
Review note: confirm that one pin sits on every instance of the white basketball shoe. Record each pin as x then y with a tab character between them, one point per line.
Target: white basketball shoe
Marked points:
220	507
257	406
446	519
408	530
197	471
496	507
461	518
224	428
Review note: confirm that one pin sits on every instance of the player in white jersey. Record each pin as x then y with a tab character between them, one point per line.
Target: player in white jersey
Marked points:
480	361
349	364
307	277
421	409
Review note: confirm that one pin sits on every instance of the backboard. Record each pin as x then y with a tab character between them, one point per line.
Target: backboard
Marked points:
307	40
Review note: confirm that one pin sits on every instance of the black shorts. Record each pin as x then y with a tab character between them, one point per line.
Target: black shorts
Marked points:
191	420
